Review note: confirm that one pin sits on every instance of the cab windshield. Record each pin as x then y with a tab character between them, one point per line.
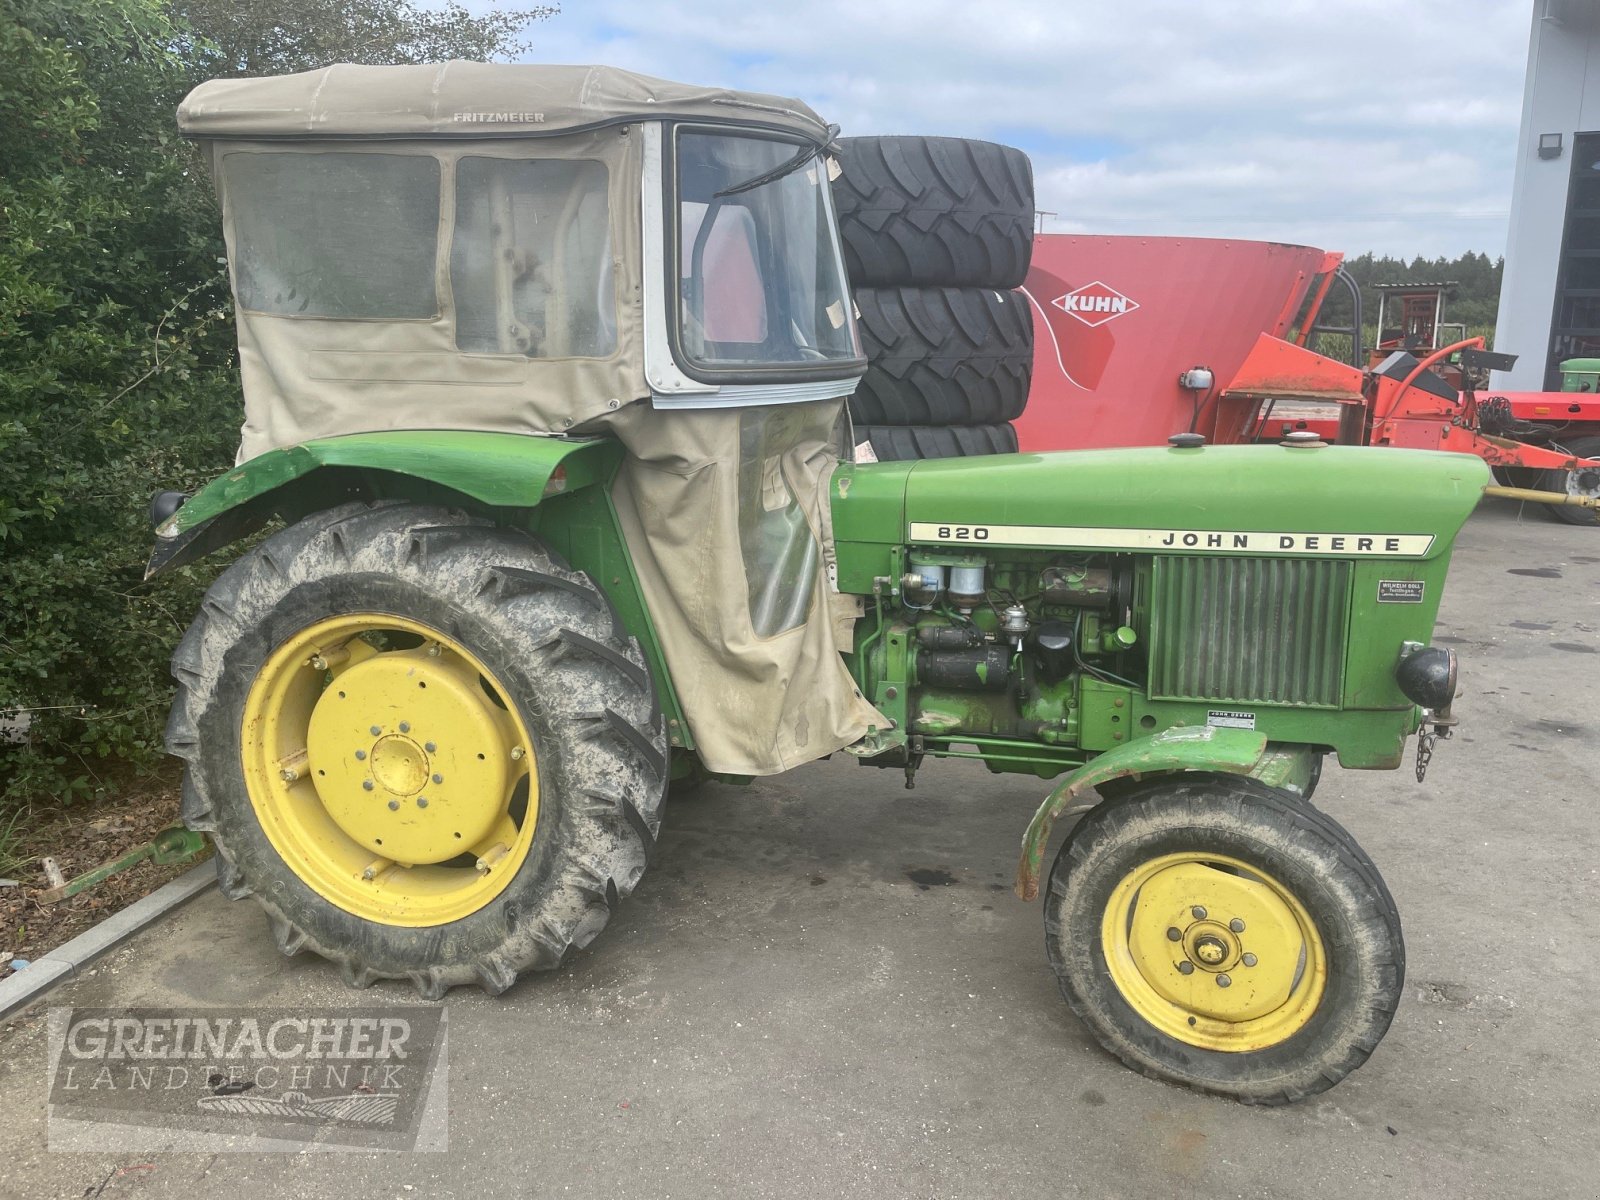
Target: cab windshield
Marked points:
761	284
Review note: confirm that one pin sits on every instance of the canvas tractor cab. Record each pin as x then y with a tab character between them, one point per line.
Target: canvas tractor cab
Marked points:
544	375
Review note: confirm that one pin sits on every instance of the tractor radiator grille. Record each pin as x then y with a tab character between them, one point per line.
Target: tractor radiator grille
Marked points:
1249	630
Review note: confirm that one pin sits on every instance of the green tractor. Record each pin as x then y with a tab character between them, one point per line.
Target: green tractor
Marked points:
544	373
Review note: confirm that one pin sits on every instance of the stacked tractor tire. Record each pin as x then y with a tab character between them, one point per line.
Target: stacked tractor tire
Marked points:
937	236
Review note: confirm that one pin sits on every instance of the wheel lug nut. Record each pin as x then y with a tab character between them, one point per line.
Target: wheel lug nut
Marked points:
405	726
434	649
1186	967
1198	913
1236	925
516	753
394	806
1174	935
1223	981
366	785
438	778
360	754
288	774
376	730
1249	960
430	747
422	802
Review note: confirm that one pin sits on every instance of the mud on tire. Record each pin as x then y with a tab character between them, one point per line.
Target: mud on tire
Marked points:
578	682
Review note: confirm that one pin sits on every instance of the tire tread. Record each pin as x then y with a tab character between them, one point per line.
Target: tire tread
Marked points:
943	356
934	211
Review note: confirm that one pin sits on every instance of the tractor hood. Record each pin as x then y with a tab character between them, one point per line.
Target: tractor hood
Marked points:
1334	502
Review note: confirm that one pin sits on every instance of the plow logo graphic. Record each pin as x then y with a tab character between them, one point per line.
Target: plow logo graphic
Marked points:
1095	303
377	1108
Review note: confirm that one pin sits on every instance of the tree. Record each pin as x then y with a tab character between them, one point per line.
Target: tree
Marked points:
114	359
277	36
117	373
1475	300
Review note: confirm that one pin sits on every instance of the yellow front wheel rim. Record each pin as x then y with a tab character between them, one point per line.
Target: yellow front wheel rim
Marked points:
1213	952
390	770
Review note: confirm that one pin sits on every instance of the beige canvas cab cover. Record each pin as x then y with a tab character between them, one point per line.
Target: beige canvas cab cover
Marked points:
465	246
465	98
399	332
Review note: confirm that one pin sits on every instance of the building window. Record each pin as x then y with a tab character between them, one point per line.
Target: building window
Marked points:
1575	331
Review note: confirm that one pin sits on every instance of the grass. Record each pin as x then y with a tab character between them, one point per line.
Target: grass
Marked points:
12	858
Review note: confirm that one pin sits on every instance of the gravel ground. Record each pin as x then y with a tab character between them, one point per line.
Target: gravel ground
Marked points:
824	988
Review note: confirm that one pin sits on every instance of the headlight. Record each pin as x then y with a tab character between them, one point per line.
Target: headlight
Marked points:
1428	677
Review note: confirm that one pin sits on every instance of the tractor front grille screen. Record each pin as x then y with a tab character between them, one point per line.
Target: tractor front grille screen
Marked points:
1249	630
334	235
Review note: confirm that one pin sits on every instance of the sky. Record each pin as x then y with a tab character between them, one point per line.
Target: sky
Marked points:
1354	125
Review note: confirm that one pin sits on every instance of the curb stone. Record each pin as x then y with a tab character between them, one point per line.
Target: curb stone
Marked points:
61	964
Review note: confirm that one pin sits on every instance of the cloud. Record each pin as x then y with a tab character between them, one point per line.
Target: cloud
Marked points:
1349	124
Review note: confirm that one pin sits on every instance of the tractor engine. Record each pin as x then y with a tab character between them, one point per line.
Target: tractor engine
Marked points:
997	646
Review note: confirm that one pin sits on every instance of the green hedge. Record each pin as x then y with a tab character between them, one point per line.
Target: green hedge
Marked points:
117	374
115	379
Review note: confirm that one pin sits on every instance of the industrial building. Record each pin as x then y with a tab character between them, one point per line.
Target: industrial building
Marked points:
1550	295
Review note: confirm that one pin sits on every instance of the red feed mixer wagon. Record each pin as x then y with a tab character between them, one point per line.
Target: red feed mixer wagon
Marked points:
1140	338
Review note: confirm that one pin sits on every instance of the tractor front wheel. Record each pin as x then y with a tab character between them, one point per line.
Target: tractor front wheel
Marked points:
1214	932
426	747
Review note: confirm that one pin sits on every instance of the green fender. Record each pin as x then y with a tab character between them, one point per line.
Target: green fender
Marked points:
1192	748
498	470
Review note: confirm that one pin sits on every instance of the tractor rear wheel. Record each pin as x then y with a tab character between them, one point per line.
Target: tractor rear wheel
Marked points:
1576	483
897	443
934	212
1214	932
426	747
943	356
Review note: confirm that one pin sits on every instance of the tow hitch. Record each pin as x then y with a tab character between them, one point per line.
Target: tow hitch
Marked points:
1442	730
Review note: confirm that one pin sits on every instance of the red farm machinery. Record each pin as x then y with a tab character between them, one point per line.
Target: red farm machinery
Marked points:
1139	339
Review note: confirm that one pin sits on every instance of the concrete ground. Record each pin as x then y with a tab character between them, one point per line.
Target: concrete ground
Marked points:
784	1010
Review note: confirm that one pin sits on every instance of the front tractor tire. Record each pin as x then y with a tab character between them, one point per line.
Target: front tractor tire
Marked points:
1221	934
426	746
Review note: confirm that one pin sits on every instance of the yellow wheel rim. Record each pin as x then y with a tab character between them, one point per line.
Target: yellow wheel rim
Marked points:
388	768
1213	952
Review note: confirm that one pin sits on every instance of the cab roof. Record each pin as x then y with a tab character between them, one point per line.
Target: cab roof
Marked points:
467	99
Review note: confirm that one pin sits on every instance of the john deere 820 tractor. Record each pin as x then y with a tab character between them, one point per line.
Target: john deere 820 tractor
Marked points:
544	373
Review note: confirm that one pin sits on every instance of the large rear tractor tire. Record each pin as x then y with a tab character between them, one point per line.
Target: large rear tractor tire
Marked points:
1576	483
1215	932
943	356
934	212
897	443
426	746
